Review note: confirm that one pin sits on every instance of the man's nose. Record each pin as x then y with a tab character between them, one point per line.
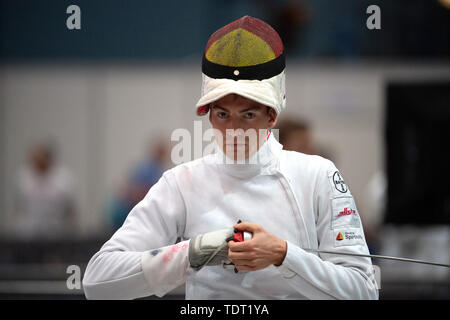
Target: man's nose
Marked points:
232	128
234	123
235	131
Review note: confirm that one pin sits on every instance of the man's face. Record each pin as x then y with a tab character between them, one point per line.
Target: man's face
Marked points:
242	124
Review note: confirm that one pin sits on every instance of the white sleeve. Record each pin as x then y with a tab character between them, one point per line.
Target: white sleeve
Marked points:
339	228
141	258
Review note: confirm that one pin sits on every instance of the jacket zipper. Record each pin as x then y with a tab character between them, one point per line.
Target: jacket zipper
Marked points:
296	207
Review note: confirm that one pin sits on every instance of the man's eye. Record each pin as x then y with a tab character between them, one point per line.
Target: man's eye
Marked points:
222	115
249	115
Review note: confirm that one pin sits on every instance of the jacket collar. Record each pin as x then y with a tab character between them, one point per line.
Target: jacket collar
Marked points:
264	162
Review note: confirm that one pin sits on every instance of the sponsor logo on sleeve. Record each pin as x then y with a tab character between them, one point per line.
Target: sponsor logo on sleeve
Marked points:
349	237
344	213
339	182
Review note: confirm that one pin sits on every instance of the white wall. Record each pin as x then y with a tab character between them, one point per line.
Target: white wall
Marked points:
103	115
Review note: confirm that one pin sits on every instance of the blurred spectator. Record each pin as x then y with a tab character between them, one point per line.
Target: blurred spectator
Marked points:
295	135
44	196
426	242
141	179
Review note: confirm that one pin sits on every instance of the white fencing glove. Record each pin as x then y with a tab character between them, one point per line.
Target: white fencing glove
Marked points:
209	249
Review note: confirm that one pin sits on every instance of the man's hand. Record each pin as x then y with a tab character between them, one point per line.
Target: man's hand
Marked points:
261	251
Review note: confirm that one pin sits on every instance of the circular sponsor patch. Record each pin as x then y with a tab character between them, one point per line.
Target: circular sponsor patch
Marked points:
339	182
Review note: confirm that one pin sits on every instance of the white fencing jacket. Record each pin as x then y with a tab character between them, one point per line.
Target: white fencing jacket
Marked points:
299	198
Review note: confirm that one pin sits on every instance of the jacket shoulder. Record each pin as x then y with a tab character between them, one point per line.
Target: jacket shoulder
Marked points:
191	168
306	162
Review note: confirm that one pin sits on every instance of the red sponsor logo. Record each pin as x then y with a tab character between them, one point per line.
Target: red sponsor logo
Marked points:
346	212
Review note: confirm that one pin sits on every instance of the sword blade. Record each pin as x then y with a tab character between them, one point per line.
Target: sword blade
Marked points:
380	257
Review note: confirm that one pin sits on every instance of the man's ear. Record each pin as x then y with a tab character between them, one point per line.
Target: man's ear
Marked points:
272	121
